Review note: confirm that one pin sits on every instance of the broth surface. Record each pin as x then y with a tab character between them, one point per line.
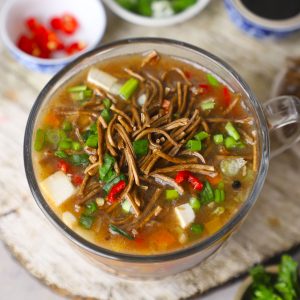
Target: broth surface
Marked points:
200	128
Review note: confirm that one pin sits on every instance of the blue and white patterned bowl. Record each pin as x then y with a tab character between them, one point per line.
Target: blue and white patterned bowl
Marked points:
257	26
90	14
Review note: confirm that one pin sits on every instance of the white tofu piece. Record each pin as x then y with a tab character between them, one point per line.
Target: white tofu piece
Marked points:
185	215
69	219
103	80
57	188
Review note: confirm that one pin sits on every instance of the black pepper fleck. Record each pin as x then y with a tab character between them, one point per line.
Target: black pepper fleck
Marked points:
236	184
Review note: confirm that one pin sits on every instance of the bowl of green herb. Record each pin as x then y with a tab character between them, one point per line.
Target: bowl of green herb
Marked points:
272	283
156	13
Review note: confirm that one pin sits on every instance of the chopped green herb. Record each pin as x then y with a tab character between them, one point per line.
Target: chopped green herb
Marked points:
230	142
212	80
129	87
61	154
207	193
77	88
54	136
140	147
92	141
202	135
79	159
120	231
171	194
180	5
65	144
108	163
67	126
208	104
76	146
230	129
105	114
197	228
194	145
195	203
218	139
86	221
107	103
39	140
90	208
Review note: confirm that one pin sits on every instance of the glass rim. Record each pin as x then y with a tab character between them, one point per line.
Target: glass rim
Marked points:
167	256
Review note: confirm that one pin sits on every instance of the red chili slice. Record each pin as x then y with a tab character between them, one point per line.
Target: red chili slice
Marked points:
56	23
182	176
203	89
195	182
25	44
69	24
63	166
77	179
115	190
32	23
227	96
75	47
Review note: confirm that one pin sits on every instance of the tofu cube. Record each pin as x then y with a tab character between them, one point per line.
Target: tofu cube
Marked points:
185	215
57	188
102	79
69	219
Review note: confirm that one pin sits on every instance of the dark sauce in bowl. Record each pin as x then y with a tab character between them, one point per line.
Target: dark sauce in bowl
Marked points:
273	9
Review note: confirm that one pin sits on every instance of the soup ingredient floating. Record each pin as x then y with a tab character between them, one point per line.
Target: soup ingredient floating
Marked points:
147	153
47	41
156	8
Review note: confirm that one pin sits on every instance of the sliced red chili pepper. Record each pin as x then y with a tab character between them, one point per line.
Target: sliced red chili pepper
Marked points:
32	23
56	23
75	47
69	24
77	179
115	190
25	44
182	176
63	166
227	96
203	89
195	182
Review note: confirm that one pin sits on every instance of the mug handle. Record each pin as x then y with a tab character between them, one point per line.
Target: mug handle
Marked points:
283	116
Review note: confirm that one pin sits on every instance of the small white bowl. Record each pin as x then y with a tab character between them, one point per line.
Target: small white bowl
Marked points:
156	22
90	14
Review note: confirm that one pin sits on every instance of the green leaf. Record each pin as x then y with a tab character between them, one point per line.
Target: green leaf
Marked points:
120	231
114	181
86	221
90	208
39	140
108	163
140	147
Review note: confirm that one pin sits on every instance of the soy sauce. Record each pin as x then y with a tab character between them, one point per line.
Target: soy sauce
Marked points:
273	9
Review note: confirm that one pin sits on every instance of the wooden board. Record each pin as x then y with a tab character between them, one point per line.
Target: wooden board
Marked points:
272	227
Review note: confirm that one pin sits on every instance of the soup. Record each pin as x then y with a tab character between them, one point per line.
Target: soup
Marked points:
146	154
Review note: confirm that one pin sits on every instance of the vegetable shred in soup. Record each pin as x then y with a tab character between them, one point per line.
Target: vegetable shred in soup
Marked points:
146	154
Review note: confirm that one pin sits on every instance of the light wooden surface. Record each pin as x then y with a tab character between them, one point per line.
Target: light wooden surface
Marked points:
272	227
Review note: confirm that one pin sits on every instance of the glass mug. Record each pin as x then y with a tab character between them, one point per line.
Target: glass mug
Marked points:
275	114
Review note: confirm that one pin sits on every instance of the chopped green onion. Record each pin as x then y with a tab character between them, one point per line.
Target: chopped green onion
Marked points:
140	147
194	145
202	135
67	126
208	104
107	103
92	141
120	231
64	145
60	154
207	193
230	142
79	159
222	195
81	96
129	87
86	221
180	5
76	146
39	140
77	88
144	8
114	181
221	185
110	175
197	228
108	163
93	128
217	196
195	203
126	205
212	80
218	139
105	114
230	129
171	194
90	208
53	136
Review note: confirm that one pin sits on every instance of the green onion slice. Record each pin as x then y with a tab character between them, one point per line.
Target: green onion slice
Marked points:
129	87
120	231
